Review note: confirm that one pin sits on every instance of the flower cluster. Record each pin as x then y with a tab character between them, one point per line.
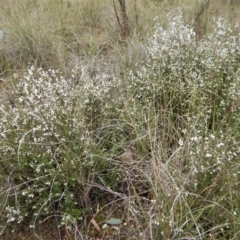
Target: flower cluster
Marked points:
47	140
192	85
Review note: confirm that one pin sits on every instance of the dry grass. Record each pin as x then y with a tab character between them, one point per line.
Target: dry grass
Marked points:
60	33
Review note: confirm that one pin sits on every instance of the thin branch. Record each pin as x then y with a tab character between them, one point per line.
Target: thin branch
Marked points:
116	14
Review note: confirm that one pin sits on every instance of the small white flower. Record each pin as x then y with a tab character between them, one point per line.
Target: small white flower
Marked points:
180	142
208	155
156	223
212	136
220	145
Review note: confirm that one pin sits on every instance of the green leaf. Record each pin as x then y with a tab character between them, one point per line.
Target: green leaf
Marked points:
114	221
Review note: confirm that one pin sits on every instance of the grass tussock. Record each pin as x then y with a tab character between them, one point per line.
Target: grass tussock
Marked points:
96	123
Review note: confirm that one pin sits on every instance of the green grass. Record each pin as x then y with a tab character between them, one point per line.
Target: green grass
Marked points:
96	124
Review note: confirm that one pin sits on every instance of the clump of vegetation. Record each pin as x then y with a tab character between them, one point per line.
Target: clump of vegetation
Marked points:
189	92
153	146
50	146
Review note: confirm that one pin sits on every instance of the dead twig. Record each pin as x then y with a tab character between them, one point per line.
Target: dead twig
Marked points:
124	22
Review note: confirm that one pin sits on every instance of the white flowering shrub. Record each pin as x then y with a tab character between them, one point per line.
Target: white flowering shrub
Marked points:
50	144
195	85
